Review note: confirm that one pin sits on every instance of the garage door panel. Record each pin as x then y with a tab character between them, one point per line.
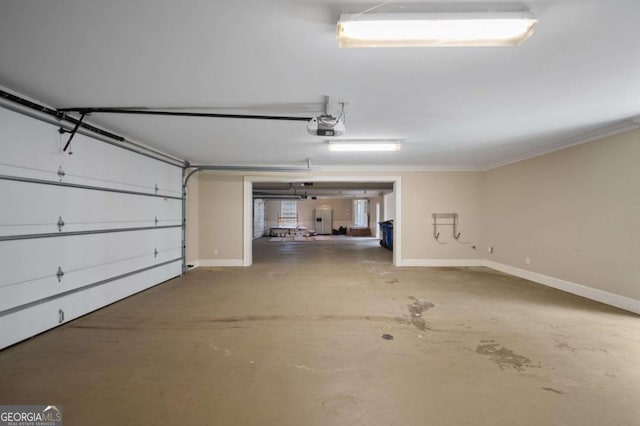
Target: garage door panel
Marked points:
33	291
112	244
32	147
51	174
33	208
83	259
36	152
133	171
46	315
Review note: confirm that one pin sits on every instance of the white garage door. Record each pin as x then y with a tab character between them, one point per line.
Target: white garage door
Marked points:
80	231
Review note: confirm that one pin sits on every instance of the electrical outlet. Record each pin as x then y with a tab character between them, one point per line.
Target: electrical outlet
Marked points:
527	260
490	249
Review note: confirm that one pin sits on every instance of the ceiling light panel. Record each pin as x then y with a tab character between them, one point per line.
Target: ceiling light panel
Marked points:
432	30
385	146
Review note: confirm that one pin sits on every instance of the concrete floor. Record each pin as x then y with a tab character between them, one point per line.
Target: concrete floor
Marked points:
296	340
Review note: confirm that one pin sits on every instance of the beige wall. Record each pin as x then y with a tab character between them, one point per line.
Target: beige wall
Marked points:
220	216
389	202
440	192
221	213
193	219
575	213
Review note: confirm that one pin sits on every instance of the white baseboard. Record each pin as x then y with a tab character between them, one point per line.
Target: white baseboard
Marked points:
442	262
622	302
217	262
616	300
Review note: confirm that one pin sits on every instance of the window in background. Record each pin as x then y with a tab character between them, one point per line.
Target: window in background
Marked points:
259	222
288	214
361	213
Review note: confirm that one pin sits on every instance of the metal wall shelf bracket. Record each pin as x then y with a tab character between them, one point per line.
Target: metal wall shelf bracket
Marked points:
446	219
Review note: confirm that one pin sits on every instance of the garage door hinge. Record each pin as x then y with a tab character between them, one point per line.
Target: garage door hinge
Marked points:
155	252
156	220
59	274
157	188
60	316
60	224
61	173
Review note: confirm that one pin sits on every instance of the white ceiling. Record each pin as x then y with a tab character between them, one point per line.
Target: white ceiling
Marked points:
454	107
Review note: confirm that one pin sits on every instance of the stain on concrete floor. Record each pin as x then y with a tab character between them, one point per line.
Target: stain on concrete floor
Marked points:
505	358
559	392
566	346
335	404
415	311
200	322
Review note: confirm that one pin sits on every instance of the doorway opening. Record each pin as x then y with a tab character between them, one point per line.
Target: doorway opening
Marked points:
331	210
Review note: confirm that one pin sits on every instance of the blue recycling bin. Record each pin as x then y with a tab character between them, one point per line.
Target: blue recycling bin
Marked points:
387	234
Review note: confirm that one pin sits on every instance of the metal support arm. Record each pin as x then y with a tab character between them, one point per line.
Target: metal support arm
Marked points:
73	132
151	111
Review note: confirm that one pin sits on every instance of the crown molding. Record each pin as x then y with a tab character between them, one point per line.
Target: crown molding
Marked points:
319	168
601	133
392	168
618	127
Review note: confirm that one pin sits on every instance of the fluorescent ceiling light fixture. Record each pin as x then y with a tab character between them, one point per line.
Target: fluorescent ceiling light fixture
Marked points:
362	146
438	29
